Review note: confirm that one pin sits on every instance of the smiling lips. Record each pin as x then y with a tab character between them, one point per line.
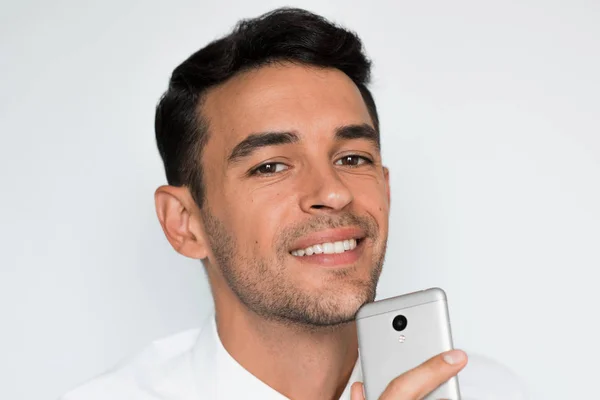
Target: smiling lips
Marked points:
330	248
327	248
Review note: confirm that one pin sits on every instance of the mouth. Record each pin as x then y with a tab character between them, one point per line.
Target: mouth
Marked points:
338	247
332	248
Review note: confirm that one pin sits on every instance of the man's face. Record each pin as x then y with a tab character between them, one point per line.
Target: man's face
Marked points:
297	200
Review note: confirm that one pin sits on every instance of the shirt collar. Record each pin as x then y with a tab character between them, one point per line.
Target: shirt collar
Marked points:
220	376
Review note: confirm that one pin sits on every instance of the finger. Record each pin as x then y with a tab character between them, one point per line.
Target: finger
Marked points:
422	380
356	391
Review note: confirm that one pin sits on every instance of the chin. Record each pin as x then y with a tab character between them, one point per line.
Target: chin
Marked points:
337	308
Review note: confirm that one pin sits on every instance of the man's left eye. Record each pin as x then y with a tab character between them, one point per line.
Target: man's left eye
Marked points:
353	160
269	168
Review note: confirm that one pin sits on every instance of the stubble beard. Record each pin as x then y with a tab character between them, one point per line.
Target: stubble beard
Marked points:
268	292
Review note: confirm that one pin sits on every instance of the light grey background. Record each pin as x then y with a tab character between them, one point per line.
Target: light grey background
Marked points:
490	124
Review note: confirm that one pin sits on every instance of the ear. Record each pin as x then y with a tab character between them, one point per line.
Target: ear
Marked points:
386	174
180	220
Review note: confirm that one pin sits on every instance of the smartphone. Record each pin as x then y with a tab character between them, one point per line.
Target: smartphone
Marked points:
400	333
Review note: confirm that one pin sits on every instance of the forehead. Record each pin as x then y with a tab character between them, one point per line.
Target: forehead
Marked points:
283	97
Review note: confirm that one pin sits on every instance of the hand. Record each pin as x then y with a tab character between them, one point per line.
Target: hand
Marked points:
420	381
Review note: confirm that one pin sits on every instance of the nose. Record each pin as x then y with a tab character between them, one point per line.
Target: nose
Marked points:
325	192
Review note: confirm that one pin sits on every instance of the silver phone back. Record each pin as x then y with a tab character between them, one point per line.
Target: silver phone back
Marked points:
386	353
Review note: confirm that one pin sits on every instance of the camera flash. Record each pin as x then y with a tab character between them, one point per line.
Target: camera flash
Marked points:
402	338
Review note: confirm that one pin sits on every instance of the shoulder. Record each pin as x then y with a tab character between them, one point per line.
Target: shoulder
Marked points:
161	367
484	378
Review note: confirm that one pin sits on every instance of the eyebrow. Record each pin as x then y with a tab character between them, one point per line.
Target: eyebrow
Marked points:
359	131
257	140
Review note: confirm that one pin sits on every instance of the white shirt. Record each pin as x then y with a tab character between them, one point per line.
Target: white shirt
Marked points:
194	365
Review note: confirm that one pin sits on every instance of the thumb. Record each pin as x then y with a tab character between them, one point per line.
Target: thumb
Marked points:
356	391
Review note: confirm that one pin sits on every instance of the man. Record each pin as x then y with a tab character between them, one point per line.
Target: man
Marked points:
270	142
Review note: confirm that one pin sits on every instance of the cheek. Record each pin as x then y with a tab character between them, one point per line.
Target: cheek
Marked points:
372	197
368	186
257	220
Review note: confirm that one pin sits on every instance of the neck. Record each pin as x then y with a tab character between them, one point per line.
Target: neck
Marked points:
297	361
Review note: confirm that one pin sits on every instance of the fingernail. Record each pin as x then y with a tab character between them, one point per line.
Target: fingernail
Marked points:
455	357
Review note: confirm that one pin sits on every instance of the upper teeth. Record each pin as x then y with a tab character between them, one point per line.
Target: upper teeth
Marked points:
326	248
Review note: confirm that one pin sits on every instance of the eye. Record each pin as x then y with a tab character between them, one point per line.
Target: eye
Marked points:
353	160
269	168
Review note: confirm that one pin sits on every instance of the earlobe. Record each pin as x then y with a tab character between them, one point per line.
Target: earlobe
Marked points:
178	217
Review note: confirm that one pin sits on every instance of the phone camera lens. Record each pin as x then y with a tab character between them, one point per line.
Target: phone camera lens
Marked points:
399	323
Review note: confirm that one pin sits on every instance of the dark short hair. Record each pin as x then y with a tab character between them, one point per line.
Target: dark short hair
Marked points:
283	35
